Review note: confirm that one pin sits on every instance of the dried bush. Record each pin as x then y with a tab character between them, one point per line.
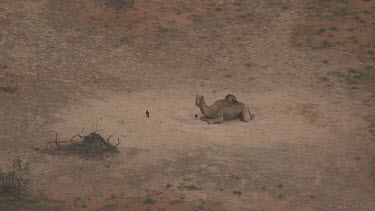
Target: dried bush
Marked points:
84	145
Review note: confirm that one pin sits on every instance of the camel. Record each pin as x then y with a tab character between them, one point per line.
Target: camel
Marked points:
231	98
222	110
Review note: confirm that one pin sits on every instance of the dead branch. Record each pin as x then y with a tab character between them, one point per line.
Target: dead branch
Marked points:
59	142
109	138
54	141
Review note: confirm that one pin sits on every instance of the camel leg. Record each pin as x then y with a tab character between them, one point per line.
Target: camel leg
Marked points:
212	121
204	118
246	115
216	121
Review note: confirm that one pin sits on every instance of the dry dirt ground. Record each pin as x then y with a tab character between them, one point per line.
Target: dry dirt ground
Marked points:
305	68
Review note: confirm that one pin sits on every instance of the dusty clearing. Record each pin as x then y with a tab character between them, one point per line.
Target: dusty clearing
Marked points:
305	68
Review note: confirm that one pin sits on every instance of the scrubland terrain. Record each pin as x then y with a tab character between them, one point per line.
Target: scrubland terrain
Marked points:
305	68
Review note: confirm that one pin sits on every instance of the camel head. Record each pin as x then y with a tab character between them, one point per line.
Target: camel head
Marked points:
198	100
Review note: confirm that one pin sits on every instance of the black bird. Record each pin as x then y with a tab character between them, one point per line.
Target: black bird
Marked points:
147	113
196	115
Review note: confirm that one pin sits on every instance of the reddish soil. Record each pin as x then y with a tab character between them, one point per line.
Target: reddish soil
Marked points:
305	68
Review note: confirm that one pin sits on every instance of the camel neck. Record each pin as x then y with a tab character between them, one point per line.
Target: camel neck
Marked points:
204	108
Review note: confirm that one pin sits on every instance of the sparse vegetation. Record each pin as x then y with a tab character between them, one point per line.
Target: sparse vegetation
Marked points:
237	192
323	78
44	207
342	1
320	31
342	12
369	68
120	4
110	206
175	201
351	70
280	185
215	37
202	204
246	15
326	43
149	200
232	176
191	187
7	89
358	37
15	180
334	28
